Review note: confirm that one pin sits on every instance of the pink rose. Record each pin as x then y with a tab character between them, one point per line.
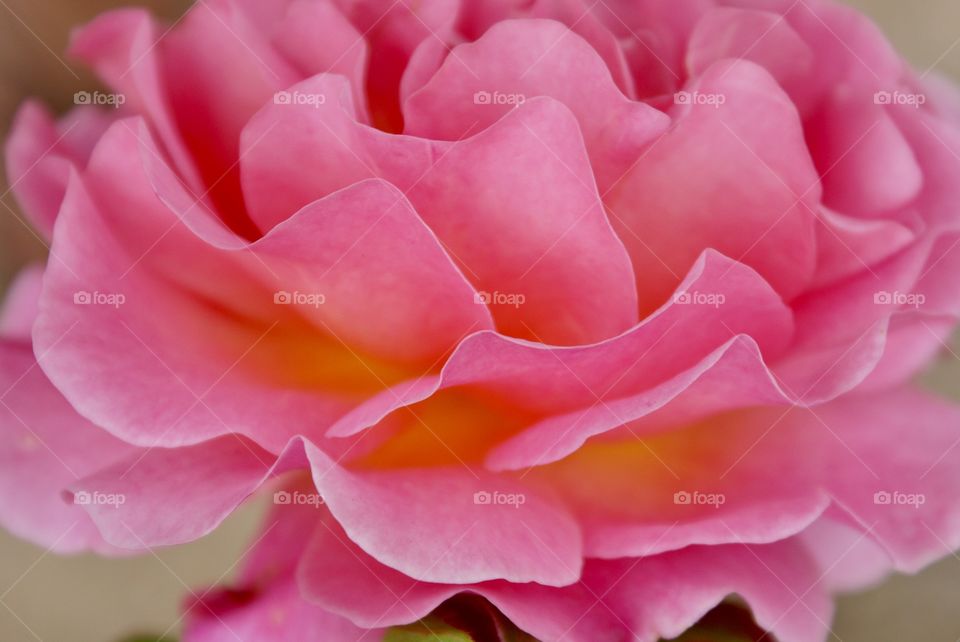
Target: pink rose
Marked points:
624	322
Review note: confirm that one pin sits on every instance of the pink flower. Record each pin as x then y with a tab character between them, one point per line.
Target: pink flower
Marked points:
624	322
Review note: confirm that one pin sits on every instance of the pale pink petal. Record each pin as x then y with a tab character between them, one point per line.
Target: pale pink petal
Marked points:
40	152
894	472
45	447
158	486
850	559
662	596
19	308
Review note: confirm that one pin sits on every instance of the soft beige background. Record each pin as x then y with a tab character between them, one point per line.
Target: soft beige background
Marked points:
86	599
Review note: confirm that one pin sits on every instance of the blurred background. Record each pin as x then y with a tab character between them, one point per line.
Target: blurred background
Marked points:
86	599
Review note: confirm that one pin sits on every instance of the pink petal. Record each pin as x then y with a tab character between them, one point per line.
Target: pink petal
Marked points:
895	472
847	246
752	139
371	594
393	30
426	523
866	163
534	283
44	442
661	596
19	308
759	36
267	604
727	478
40	152
519	60
215	345
666	344
158	486
528	179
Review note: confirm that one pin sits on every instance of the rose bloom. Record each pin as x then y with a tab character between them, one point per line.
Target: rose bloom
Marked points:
567	317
